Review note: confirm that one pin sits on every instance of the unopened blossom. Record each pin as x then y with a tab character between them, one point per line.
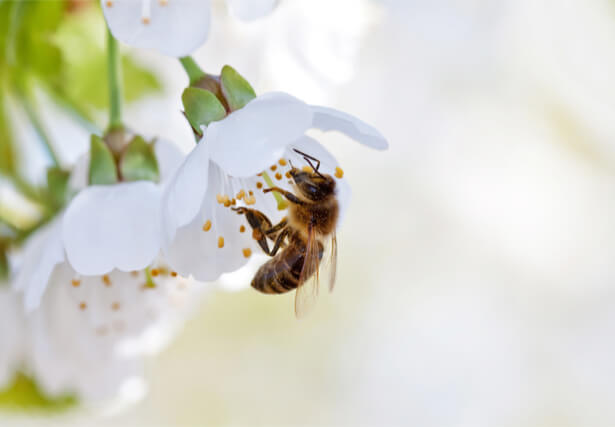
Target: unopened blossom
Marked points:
173	27
231	166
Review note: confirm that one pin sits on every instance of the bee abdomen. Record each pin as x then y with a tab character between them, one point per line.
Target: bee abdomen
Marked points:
278	275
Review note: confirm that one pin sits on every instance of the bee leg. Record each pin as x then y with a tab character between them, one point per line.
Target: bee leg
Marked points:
259	223
279	226
278	241
289	196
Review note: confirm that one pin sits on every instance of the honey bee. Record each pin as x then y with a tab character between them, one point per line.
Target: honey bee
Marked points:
303	236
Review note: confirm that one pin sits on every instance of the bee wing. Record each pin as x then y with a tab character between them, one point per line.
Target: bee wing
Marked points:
307	291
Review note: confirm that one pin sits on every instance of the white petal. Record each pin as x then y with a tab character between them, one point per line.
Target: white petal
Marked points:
169	157
252	138
328	163
196	251
42	253
327	119
249	10
184	193
175	28
115	226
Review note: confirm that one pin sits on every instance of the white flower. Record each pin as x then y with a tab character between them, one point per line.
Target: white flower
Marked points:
173	27
205	238
104	228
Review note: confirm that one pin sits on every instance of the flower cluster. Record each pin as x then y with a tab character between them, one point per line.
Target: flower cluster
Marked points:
140	225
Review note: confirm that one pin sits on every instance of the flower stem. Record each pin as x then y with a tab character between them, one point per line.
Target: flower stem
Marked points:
114	72
278	197
39	128
195	73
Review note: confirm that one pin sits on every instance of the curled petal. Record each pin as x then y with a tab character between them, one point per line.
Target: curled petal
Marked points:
327	119
217	240
183	195
173	27
41	255
116	226
250	139
249	10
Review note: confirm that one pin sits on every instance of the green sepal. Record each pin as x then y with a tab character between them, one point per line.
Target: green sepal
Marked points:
102	165
237	91
57	186
201	107
138	162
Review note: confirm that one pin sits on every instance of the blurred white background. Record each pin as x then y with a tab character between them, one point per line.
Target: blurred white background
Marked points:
476	283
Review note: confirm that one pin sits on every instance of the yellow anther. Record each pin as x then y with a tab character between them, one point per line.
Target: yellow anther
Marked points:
154	272
220	242
220	198
145	20
273	168
106	280
250	200
227	203
173	274
247	252
163	2
287	174
306	169
251	193
75	282
282	162
240	194
83	305
259	174
109	3
242	228
278	176
207	225
339	172
233	202
115	306
259	185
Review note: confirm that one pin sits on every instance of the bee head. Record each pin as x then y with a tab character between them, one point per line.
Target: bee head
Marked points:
313	185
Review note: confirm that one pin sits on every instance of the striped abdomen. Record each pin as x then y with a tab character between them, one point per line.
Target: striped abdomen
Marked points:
281	273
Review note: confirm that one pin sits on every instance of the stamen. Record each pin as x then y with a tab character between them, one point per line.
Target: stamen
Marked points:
242	228
278	176
145	11
287	174
241	194
75	283
259	185
273	168
106	280
220	242
282	162
83	305
207	225
154	272
233	201
227	202
109	3
173	273
115	306
339	172
163	2
247	252
250	200
220	198
251	193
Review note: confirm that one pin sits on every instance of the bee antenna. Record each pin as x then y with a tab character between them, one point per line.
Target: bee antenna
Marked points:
308	159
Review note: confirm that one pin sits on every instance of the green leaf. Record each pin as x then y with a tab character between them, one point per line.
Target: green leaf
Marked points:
102	165
139	162
7	148
201	108
24	394
237	91
57	186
